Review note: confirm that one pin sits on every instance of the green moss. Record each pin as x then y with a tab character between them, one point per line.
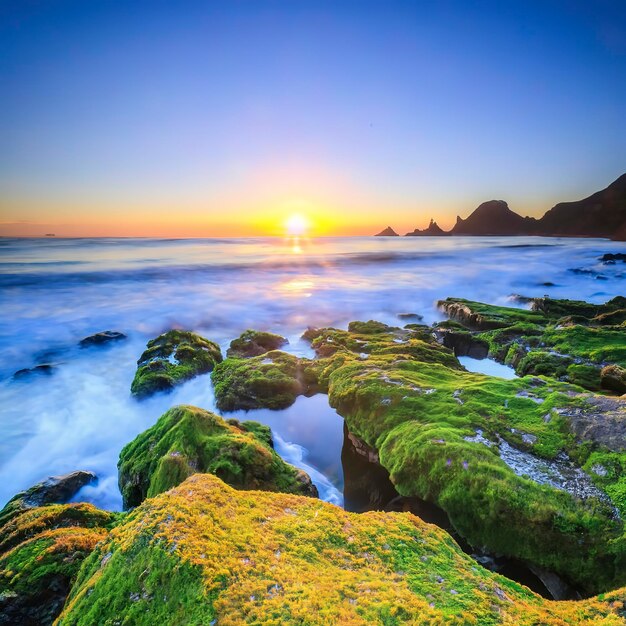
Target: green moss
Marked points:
254	343
566	339
561	308
41	551
587	376
480	316
36	520
186	440
273	380
204	554
598	345
145	583
172	358
413	341
418	412
543	363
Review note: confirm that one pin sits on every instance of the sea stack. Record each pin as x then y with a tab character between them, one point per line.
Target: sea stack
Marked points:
388	232
433	230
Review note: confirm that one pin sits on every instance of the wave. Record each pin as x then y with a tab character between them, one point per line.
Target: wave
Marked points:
166	272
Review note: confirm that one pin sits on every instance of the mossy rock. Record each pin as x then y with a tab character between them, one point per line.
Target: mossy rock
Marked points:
171	359
254	343
273	380
186	440
34	521
52	490
374	338
567	339
204	553
480	316
41	551
421	411
561	308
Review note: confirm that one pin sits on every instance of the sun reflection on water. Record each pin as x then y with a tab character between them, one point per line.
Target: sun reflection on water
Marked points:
297	287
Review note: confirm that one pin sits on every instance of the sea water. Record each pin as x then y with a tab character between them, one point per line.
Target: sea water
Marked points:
54	292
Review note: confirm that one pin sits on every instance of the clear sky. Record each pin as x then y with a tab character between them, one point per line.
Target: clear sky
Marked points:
225	117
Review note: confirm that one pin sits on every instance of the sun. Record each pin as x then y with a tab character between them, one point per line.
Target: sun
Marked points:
297	224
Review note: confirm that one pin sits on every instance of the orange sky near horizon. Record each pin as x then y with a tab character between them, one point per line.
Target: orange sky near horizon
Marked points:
172	219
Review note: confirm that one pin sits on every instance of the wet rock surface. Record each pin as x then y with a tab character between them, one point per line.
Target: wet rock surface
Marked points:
44	369
103	338
599	419
560	472
52	490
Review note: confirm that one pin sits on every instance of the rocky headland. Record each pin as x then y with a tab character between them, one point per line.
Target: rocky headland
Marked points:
603	214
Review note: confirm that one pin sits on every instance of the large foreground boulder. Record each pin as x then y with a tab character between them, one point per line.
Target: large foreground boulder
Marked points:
204	553
187	439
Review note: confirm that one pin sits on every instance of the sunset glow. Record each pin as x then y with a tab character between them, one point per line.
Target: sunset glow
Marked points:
297	224
200	137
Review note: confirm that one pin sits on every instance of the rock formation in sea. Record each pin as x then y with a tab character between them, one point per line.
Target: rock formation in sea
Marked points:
433	230
187	440
388	232
603	214
171	359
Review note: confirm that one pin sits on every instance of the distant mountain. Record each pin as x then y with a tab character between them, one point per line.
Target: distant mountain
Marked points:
602	214
433	230
494	218
388	232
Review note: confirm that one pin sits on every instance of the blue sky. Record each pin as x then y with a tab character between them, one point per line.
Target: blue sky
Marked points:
222	117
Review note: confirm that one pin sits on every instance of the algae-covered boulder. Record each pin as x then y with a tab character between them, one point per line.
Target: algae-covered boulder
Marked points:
254	343
570	340
41	551
186	440
272	380
502	458
204	553
52	490
172	358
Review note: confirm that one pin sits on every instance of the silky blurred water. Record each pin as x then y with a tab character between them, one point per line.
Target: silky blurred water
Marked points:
54	292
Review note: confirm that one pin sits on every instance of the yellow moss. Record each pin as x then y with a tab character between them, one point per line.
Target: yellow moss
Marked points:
277	559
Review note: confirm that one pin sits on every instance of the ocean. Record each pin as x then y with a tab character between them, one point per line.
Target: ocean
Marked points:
54	292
